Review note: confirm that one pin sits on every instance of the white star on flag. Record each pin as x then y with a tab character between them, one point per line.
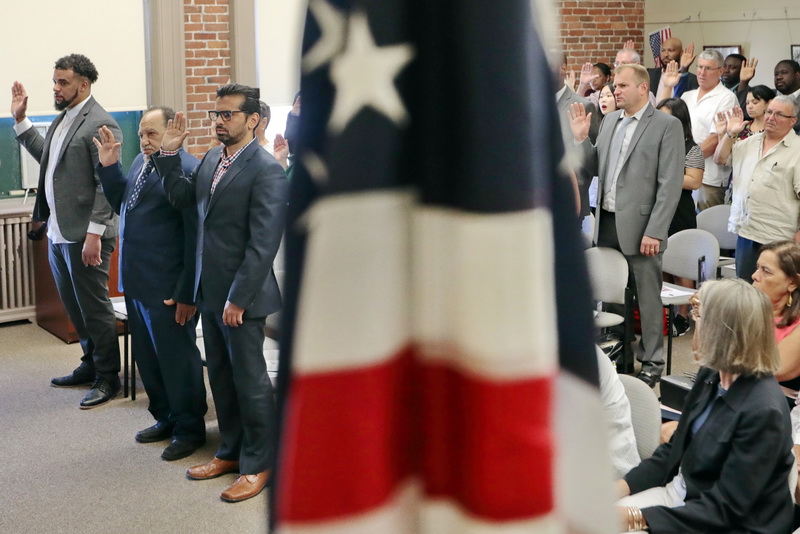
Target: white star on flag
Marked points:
364	76
332	23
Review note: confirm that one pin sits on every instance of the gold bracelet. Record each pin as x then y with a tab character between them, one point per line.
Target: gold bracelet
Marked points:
636	519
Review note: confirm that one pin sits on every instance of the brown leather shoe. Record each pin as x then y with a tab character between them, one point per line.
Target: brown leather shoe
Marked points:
212	469
246	486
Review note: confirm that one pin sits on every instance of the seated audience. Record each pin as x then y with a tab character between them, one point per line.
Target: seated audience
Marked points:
622	441
685	215
726	468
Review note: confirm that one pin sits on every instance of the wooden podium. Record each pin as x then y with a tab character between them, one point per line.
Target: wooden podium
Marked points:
50	312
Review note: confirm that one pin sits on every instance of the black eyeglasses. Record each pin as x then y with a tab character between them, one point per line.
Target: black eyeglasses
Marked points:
226	115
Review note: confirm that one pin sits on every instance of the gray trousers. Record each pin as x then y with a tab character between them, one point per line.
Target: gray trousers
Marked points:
84	293
645	279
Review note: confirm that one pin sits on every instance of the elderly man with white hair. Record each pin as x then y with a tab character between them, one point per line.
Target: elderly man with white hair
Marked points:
710	98
766	179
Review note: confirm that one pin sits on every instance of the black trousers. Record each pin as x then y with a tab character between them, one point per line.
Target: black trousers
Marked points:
84	293
242	391
170	367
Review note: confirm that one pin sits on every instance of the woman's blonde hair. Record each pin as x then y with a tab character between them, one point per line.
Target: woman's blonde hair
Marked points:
737	333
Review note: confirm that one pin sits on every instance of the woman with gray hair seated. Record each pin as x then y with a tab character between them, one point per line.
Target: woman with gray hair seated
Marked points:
726	468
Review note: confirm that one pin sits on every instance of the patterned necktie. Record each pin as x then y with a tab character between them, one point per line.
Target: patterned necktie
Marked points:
137	187
615	152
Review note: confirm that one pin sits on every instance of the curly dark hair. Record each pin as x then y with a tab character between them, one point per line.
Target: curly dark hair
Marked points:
79	64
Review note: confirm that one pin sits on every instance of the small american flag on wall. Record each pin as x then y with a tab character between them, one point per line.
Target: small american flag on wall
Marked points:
656	38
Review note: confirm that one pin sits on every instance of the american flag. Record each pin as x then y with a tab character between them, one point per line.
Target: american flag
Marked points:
656	38
437	363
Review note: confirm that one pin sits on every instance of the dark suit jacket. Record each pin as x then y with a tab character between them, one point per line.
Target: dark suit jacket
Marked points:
240	227
736	467
584	177
686	83
157	242
650	181
78	195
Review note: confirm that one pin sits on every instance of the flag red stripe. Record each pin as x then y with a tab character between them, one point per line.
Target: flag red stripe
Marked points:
350	441
489	444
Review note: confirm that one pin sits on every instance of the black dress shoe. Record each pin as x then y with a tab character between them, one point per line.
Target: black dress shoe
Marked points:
651	379
158	432
102	391
179	449
79	377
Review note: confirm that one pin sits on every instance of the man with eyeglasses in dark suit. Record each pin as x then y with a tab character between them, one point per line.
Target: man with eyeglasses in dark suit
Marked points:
241	193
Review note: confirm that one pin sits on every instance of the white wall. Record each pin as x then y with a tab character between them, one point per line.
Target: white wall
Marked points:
280	33
760	27
110	33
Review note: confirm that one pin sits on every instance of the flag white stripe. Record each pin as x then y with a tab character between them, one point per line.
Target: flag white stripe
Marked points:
408	513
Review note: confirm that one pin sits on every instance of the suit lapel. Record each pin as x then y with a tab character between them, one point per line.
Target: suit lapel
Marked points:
204	178
230	174
48	139
643	123
74	126
604	141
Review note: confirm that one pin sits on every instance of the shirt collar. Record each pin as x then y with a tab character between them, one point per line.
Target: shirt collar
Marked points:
73	111
230	159
561	92
638	114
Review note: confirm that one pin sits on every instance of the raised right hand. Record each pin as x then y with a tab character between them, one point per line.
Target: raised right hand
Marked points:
748	70
671	76
736	122
579	121
19	102
176	133
280	149
721	123
107	147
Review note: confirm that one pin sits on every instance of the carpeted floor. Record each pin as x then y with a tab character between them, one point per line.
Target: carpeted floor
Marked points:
80	471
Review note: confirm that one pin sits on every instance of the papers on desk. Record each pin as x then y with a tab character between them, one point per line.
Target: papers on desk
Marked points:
674	292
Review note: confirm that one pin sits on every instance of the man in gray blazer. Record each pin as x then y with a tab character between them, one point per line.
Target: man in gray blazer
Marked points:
81	226
240	192
565	97
639	158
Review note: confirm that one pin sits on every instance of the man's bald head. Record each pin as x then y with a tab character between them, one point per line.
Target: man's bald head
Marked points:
671	50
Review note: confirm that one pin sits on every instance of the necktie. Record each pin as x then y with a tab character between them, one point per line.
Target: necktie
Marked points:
137	187
615	152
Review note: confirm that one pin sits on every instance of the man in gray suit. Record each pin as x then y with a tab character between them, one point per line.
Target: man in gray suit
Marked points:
565	97
81	226
240	193
639	157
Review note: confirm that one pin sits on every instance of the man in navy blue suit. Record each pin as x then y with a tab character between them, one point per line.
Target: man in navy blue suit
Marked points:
157	270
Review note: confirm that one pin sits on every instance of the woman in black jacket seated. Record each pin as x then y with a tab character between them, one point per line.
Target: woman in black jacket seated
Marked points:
726	468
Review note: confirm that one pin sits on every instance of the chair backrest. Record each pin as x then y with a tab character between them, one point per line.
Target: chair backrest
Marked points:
714	220
608	271
645	415
685	249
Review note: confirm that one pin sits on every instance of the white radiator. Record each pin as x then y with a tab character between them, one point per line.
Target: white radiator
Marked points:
17	298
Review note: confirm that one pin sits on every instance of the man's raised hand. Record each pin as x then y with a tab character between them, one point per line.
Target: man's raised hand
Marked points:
579	121
19	102
176	133
107	147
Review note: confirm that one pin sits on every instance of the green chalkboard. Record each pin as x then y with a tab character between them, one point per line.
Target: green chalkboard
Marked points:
10	174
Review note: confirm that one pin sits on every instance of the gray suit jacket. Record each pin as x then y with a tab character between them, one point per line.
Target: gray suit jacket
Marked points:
78	195
240	227
584	177
650	181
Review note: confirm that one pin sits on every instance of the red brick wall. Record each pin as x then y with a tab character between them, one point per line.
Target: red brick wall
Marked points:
595	30
208	65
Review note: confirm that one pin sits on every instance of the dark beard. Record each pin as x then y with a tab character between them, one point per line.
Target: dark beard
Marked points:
64	103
